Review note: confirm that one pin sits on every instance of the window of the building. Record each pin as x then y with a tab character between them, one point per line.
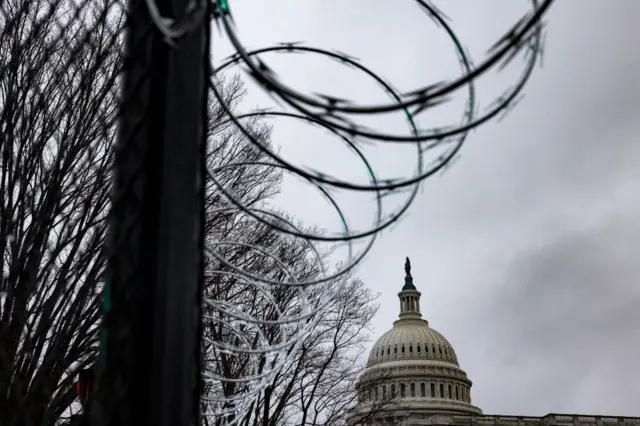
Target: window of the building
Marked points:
402	348
450	394
426	347
446	351
410	348
384	392
388	350
457	395
441	390
433	390
402	390
370	392
423	390
417	347
393	391
395	349
433	348
440	349
413	389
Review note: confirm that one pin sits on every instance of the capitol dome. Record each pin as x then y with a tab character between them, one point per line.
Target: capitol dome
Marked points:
412	371
412	340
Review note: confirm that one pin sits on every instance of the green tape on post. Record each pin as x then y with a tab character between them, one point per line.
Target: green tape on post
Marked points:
106	307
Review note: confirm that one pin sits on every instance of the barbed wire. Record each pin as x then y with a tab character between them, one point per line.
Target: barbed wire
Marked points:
60	34
336	116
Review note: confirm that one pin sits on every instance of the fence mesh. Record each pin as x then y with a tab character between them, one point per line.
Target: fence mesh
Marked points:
145	280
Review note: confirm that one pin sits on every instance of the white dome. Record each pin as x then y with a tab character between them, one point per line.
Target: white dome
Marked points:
412	339
412	370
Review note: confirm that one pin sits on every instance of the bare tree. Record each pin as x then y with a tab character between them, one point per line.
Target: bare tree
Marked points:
319	386
58	103
321	383
59	90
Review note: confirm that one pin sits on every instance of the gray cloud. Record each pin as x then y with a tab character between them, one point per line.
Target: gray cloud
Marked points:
572	307
563	313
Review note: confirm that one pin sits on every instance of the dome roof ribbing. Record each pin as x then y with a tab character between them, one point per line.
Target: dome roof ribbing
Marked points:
412	340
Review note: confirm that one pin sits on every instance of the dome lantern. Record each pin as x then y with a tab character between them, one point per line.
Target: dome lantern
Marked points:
409	296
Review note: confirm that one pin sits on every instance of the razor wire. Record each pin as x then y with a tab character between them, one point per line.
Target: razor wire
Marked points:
233	397
56	81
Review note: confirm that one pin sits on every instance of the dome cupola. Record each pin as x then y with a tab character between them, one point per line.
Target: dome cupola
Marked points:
409	296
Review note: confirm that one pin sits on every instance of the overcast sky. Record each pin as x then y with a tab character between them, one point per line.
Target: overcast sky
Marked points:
525	251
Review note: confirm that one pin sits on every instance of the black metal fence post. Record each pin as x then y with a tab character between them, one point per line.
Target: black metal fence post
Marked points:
150	363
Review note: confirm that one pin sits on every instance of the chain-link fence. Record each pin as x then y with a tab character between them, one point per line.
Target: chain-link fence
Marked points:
145	280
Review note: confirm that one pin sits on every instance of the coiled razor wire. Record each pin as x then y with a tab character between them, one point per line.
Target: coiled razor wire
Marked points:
267	357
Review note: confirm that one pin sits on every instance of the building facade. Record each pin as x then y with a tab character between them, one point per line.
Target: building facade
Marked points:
412	377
